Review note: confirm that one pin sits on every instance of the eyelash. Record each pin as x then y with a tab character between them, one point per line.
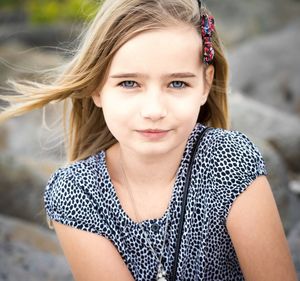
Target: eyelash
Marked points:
121	84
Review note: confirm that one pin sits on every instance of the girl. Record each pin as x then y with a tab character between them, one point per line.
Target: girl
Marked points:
148	78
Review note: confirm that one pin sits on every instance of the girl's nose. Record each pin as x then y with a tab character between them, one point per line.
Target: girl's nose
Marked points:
153	107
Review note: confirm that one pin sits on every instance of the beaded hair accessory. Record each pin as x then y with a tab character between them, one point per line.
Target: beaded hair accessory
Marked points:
207	29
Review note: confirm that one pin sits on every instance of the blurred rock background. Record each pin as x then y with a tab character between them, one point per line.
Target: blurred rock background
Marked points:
262	39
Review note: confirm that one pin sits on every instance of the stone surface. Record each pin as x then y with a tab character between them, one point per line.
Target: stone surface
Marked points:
295	186
30	253
22	183
49	36
240	20
33	136
280	129
267	69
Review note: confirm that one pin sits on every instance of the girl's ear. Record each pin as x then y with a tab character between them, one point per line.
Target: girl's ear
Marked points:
209	77
96	98
208	80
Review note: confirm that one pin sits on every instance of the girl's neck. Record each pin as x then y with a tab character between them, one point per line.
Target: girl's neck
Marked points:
143	171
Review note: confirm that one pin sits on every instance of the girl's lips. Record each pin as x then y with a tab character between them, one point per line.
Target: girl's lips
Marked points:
153	134
153	131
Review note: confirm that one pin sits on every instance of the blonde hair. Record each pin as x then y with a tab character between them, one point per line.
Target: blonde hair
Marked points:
116	22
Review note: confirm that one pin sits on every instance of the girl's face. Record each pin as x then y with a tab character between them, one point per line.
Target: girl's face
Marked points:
154	90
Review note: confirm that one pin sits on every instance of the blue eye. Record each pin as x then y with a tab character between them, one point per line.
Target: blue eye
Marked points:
178	84
128	84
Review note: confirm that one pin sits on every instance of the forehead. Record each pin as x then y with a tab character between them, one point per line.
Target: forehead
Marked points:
162	50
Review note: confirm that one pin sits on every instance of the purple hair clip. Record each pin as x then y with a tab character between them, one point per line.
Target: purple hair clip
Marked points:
207	30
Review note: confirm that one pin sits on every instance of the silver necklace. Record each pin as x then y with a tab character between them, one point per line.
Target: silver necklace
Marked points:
161	274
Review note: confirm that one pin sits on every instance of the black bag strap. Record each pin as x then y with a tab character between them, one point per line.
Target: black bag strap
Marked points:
184	201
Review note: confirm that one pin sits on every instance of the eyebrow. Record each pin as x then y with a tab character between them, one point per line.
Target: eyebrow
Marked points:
171	75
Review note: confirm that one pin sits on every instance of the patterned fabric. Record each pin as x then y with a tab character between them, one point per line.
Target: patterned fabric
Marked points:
82	195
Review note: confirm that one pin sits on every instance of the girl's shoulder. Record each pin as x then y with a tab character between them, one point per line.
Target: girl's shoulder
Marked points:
234	152
229	143
75	173
234	163
73	191
219	135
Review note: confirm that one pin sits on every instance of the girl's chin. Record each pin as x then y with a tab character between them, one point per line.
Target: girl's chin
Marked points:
153	150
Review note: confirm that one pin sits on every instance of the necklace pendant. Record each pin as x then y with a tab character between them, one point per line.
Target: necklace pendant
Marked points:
162	274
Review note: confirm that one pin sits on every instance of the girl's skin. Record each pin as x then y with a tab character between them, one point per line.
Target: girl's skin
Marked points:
155	100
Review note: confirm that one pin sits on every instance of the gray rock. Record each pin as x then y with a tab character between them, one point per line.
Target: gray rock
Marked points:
49	36
22	183
29	136
240	20
295	186
12	17
279	129
294	243
30	253
267	69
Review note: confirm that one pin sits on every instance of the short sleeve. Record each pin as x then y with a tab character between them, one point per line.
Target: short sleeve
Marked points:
236	163
69	201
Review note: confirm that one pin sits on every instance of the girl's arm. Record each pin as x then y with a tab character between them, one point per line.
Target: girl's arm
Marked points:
258	237
91	257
